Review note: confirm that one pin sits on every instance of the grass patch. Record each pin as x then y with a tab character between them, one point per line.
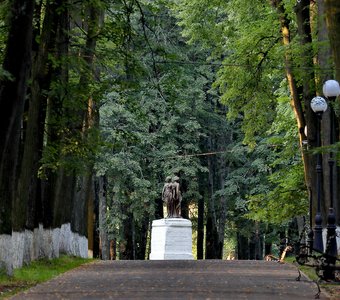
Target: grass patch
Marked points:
36	272
332	288
308	271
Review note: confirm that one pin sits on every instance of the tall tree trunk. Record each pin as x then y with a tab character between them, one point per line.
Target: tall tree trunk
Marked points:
126	251
211	239
223	140
242	247
88	115
185	201
141	237
17	62
299	104
332	10
63	188
324	72
323	59
91	221
58	187
101	183
24	206
84	195
302	10
223	211
200	221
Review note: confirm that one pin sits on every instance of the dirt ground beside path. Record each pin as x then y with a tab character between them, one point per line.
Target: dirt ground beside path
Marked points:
206	279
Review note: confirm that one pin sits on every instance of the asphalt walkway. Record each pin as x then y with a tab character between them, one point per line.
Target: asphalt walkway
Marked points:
206	279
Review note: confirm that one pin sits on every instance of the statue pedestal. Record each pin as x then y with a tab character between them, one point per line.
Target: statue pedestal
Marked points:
171	239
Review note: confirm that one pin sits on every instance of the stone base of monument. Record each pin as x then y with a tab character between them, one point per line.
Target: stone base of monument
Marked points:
171	239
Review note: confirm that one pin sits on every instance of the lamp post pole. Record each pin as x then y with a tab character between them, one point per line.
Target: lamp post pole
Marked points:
319	106
310	235
331	90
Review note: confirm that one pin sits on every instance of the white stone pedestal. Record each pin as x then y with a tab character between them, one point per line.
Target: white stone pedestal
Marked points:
171	239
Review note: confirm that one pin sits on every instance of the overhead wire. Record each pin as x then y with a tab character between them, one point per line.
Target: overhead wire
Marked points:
199	154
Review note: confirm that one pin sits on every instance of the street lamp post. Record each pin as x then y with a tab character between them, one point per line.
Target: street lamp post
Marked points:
331	90
310	235
319	106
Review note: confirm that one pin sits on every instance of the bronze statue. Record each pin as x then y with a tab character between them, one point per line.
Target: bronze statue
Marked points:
172	197
167	194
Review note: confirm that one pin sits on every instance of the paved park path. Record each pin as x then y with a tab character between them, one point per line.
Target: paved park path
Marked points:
206	279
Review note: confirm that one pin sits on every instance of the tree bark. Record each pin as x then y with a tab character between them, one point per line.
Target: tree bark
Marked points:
211	239
224	139
200	222
141	238
332	12
242	247
323	59
25	203
17	62
91	221
104	239
87	113
324	72
57	186
300	98
302	10
126	249
84	194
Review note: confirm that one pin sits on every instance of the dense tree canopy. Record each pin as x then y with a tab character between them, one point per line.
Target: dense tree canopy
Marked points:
101	100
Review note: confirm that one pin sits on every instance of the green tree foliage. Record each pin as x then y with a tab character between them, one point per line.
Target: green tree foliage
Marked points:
265	182
150	117
285	196
137	90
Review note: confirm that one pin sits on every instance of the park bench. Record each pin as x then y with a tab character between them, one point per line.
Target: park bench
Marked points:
326	266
